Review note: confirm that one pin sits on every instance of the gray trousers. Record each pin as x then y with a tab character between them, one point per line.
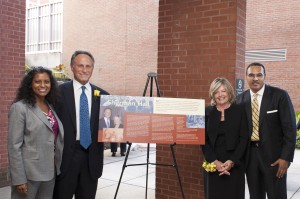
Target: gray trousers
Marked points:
36	190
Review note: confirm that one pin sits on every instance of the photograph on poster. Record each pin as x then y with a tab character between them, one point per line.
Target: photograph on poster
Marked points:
195	121
113	135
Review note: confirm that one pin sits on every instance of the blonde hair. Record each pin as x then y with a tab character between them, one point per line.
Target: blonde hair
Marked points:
119	117
215	85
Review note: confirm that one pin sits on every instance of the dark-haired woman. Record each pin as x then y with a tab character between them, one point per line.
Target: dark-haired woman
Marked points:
35	137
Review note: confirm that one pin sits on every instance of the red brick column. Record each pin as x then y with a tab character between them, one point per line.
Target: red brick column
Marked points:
198	41
12	59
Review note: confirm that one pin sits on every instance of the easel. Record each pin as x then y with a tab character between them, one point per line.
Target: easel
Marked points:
151	76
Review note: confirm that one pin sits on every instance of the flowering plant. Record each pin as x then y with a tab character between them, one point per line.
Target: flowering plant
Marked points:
96	93
209	167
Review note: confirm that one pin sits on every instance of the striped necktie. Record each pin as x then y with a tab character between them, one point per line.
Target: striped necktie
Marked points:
255	119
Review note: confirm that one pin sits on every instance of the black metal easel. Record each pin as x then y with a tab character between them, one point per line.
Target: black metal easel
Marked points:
151	76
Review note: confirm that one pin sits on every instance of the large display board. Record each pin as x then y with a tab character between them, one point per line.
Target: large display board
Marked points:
153	120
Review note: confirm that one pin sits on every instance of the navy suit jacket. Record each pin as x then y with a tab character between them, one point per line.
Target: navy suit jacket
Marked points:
277	124
102	123
67	114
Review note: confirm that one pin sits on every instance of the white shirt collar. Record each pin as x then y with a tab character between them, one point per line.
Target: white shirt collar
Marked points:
78	86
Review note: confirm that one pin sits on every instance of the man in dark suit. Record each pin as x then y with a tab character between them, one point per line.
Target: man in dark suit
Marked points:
272	138
106	122
82	161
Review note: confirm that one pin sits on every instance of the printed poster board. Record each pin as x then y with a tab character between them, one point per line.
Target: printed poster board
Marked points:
152	120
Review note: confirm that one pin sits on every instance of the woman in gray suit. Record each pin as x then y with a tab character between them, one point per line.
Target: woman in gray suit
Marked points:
35	137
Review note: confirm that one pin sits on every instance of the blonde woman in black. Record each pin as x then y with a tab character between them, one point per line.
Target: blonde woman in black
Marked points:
226	141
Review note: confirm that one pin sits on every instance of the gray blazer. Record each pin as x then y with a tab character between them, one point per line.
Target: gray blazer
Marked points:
31	144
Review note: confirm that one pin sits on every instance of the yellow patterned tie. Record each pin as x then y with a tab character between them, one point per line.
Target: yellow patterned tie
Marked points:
255	119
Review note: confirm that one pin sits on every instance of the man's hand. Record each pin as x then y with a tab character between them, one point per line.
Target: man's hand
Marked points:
282	167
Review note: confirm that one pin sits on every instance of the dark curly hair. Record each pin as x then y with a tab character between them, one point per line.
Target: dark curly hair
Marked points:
26	93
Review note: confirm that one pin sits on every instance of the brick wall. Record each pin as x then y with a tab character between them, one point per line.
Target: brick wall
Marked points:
276	25
197	42
12	59
122	38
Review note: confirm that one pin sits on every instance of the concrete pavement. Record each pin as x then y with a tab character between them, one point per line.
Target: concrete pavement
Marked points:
134	177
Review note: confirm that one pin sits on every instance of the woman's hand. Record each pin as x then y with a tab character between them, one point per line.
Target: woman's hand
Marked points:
228	165
219	165
22	188
223	168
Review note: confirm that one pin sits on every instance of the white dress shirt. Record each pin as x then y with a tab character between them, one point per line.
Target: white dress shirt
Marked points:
259	96
107	122
77	92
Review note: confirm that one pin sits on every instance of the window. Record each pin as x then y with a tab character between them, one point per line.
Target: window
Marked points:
44	28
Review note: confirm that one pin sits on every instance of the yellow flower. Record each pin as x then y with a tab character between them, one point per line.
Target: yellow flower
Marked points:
209	167
96	93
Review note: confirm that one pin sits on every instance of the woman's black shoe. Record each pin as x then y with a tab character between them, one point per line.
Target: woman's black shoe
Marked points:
113	154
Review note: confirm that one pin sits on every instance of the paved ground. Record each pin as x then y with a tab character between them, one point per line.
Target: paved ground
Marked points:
134	177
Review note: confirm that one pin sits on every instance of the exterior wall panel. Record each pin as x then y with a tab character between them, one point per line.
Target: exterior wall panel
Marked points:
12	58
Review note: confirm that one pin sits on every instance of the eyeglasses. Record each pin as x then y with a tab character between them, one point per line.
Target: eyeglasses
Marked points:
258	76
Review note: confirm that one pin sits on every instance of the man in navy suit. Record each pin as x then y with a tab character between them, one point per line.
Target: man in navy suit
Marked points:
81	166
272	148
106	122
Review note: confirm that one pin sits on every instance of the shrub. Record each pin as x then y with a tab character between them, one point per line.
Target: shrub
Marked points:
298	131
298	141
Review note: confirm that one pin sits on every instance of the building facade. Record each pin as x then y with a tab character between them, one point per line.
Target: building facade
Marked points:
12	58
187	42
272	37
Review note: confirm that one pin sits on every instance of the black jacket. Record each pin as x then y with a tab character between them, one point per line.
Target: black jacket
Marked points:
67	113
277	123
236	136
